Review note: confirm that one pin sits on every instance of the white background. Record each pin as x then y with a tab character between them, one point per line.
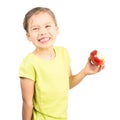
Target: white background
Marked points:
84	25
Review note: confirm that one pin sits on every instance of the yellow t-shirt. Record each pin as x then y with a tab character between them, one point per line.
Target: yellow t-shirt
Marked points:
51	79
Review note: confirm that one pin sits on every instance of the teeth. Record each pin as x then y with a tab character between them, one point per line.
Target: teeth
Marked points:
43	39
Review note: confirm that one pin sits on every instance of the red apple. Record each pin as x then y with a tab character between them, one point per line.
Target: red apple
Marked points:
96	58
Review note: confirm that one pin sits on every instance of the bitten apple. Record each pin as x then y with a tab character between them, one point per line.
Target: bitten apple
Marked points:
96	58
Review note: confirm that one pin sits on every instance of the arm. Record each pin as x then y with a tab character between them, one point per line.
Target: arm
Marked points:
75	79
27	88
89	69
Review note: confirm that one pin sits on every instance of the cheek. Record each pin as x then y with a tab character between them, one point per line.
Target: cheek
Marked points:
54	31
53	34
30	36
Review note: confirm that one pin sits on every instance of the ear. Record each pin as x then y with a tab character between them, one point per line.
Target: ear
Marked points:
57	30
28	36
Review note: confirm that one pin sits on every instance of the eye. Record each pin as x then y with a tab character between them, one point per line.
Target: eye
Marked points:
47	26
35	28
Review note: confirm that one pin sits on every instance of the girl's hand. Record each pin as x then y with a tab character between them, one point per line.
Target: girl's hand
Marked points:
91	68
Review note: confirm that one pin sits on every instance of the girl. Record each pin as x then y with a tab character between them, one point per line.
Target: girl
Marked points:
45	73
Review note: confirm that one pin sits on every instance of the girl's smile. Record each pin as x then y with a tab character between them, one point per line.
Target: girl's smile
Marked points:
44	40
42	30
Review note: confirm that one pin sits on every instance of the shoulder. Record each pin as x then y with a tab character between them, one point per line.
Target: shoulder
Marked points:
28	58
62	52
28	61
61	49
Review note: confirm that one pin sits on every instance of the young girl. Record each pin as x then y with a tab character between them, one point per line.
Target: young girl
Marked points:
45	73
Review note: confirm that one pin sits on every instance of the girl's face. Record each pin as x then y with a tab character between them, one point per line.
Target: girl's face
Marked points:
42	30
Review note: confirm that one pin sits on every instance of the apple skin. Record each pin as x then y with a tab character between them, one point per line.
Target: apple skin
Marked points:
95	59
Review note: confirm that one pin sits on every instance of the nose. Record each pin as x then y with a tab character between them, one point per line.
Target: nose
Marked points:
42	31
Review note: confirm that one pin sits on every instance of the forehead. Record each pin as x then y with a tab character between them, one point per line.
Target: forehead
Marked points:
41	17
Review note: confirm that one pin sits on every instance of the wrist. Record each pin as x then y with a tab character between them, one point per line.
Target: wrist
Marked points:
83	73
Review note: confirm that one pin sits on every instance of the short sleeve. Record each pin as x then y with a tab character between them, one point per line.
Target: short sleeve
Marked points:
27	70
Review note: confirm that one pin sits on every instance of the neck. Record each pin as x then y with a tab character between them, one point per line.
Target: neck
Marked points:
46	54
